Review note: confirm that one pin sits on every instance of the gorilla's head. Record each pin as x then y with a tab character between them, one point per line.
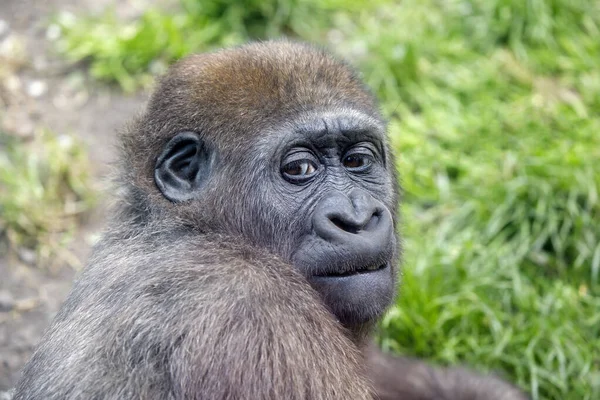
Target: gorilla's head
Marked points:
280	145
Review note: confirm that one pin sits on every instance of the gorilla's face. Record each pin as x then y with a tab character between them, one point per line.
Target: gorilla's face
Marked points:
335	185
317	189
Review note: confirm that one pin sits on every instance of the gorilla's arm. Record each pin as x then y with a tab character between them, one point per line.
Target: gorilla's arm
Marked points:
401	378
192	321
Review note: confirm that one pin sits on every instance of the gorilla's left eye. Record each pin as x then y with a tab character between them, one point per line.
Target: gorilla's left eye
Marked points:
358	161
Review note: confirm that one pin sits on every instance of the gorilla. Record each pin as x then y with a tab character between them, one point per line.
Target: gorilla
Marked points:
252	249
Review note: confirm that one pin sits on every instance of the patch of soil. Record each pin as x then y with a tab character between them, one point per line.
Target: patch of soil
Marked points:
59	97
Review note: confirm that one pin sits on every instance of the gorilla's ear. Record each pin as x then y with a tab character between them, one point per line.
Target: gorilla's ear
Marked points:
183	167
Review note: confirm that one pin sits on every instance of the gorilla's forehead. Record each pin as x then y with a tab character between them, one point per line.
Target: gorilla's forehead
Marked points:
328	128
348	122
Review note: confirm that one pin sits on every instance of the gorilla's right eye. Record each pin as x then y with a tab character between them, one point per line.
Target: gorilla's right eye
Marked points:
299	169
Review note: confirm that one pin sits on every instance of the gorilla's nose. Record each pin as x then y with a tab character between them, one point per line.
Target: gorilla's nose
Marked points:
355	220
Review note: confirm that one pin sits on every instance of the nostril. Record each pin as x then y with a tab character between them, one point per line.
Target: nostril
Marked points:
345	226
373	221
352	226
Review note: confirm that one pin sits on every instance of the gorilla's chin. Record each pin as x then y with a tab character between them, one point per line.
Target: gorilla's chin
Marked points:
357	297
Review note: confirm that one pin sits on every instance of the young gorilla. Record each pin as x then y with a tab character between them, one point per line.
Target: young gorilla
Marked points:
252	250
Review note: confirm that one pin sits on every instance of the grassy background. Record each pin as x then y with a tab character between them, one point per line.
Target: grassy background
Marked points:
45	188
494	109
49	170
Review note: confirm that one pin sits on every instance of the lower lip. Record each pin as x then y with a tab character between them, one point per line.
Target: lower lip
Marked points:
371	292
347	279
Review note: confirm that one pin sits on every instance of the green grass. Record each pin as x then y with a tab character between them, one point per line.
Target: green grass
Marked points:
44	189
130	53
494	109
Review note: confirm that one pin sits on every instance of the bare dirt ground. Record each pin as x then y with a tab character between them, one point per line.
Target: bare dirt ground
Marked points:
57	96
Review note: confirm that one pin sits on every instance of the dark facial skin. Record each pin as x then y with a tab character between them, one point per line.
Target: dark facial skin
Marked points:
348	245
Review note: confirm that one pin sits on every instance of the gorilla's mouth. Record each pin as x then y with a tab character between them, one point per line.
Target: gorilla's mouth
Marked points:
353	271
356	294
